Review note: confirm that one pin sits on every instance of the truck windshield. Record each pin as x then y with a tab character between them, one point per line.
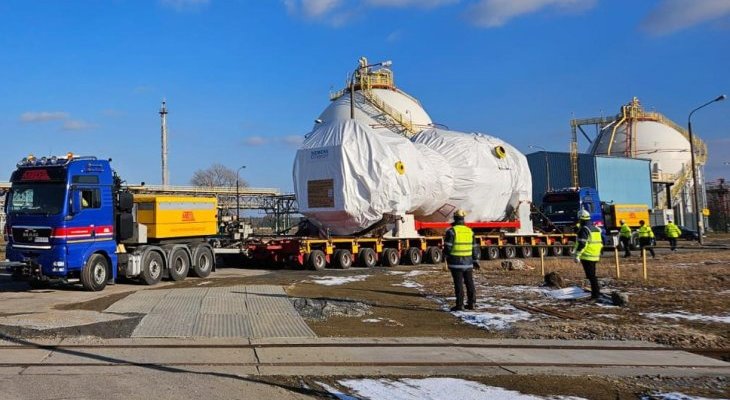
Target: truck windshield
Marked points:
36	198
561	208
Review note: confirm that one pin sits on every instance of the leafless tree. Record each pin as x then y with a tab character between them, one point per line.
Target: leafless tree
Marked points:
216	175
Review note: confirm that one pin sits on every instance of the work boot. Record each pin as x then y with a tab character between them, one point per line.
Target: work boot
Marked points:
457	308
469	306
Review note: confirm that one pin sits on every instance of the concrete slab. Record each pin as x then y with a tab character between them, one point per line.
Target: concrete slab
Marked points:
279	325
158	356
23	356
10	370
618	371
58	319
167	324
222	325
349	371
373	355
137	370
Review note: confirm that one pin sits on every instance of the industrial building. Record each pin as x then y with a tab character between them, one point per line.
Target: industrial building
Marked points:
639	134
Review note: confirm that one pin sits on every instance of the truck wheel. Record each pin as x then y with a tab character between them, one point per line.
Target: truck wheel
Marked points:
204	260
317	260
537	250
509	251
414	256
491	253
179	265
367	258
152	265
343	259
525	251
434	255
569	249
390	258
556	250
95	273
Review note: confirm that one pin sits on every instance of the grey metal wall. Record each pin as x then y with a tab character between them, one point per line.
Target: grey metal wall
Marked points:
560	172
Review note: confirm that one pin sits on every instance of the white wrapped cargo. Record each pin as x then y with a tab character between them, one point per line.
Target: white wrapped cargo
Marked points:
490	177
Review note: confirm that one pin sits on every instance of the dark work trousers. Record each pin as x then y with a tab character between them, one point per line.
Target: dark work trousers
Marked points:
462	276
590	269
673	243
626	243
645	243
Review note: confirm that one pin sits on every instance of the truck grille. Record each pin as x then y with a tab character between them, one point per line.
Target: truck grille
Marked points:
31	235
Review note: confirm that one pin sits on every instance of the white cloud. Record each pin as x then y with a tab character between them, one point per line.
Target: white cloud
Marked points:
495	13
76	125
254	141
43	116
410	3
293	140
312	8
675	15
394	36
184	5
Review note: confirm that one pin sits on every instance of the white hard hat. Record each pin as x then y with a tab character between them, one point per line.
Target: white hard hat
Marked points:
584	215
622	221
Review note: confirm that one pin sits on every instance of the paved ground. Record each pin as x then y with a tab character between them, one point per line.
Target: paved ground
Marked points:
240	311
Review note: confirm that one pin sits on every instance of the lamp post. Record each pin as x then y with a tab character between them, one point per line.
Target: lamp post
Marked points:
547	164
238	197
698	212
352	82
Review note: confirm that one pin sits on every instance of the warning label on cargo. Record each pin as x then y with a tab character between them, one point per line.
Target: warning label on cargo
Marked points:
320	193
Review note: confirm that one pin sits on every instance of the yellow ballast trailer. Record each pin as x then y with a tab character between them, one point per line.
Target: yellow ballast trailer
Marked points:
169	217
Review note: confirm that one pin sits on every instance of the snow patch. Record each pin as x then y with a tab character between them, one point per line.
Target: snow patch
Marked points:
673	396
569	293
337	280
416	273
428	388
408	284
493	319
396	272
724	319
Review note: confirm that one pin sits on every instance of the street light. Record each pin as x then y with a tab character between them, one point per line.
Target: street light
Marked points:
238	197
547	164
698	212
352	82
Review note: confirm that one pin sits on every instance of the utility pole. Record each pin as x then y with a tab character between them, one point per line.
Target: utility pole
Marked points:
163	118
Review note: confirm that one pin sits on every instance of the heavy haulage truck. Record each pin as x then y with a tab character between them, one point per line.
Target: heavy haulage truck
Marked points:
69	219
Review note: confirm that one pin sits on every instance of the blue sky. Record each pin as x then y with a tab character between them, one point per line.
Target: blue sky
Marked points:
245	79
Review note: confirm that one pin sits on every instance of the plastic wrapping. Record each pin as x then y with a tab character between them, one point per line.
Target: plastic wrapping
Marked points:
347	176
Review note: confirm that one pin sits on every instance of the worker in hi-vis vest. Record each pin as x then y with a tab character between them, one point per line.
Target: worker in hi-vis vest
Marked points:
624	236
462	253
588	250
645	236
672	232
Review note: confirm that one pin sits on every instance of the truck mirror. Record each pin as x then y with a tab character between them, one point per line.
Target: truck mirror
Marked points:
75	202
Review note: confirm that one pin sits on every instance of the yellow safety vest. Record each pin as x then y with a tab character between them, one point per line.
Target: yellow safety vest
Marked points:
592	251
645	232
463	241
672	230
625	231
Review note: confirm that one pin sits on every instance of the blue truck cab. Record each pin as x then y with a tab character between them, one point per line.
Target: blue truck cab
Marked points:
561	207
61	221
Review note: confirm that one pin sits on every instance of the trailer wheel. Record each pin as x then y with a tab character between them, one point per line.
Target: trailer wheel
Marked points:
569	249
509	251
179	265
556	250
343	259
491	253
434	255
152	266
414	256
390	258
367	258
525	251
203	261
95	273
538	250
317	260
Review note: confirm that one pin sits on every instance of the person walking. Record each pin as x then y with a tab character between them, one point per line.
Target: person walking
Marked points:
645	237
625	238
672	231
588	250
462	253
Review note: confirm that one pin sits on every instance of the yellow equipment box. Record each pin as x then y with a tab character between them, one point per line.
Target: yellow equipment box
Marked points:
631	213
177	216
